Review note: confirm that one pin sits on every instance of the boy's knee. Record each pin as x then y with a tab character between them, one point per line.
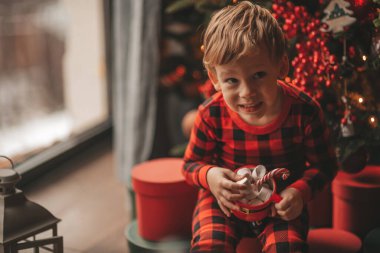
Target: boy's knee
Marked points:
291	246
213	240
216	246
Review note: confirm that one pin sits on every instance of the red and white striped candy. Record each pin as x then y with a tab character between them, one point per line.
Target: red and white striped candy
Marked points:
284	173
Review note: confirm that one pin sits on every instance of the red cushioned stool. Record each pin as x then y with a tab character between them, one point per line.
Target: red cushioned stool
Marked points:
356	205
320	209
327	240
164	201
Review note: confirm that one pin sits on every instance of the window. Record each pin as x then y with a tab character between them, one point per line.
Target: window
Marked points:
53	77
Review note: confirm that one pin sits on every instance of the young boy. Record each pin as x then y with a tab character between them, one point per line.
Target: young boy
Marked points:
253	119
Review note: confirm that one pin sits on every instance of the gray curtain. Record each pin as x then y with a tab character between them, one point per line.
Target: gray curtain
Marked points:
136	27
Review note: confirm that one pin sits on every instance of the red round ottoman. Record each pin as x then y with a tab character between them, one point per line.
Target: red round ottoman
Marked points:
327	240
164	201
356	205
320	209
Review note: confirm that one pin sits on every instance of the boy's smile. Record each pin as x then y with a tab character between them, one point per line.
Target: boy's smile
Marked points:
249	86
251	107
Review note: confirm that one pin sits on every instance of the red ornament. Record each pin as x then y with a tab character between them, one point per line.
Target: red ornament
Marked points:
351	52
364	11
314	66
207	89
180	70
359	2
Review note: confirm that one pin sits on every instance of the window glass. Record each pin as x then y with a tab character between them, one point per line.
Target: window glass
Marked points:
53	83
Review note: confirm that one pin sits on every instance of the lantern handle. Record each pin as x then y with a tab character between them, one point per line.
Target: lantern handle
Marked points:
9	159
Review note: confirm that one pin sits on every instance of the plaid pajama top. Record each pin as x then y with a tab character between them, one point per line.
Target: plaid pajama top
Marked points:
297	140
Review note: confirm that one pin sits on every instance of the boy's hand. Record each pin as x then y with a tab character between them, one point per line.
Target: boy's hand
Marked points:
222	184
291	205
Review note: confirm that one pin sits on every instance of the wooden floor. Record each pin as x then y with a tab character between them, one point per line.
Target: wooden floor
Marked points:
86	195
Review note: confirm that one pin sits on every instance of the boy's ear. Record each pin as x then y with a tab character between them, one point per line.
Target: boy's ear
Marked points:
284	67
214	80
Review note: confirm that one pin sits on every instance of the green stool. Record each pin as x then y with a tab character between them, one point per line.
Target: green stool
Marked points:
132	198
138	245
372	241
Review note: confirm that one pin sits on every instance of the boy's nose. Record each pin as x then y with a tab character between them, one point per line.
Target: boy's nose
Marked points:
247	91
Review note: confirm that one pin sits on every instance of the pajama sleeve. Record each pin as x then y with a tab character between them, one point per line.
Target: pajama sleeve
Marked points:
320	156
198	156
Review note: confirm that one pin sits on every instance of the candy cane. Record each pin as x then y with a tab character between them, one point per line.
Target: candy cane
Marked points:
284	173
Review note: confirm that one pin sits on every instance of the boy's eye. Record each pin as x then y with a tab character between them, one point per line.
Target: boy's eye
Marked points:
259	75
231	81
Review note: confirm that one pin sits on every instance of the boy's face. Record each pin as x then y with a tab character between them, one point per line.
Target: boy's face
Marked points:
249	86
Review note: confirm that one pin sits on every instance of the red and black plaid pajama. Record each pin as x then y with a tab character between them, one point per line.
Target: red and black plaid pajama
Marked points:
297	140
215	232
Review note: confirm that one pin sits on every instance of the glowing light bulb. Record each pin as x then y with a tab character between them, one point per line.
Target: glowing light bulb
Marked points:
364	57
373	121
360	100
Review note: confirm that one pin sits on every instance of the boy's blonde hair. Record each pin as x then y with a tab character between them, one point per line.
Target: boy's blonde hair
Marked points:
235	30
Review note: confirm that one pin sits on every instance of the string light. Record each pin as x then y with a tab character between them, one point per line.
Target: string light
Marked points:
364	57
372	121
360	100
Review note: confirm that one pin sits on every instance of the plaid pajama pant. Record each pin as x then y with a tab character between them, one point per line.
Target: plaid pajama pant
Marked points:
214	232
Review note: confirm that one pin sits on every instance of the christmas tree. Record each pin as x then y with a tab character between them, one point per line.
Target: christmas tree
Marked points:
334	48
338	16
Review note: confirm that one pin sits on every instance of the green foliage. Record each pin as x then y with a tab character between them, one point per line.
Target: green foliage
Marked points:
376	21
179	6
350	146
205	6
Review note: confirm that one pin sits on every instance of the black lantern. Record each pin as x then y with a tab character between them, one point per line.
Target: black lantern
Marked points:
22	220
